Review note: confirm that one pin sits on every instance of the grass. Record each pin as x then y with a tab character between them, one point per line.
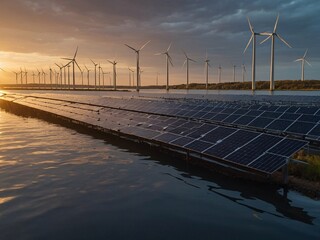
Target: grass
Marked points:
310	171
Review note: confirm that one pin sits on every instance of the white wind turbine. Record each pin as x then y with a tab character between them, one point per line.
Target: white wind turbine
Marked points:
244	71
303	60
50	76
88	74
187	62
207	65
219	73
132	72
138	66
253	40
168	60
234	73
273	35
73	61
16	73
95	73
114	63
60	67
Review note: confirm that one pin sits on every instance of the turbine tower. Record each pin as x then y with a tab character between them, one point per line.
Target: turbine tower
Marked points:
95	73
234	73
138	64
168	60
273	36
303	60
60	67
187	62
244	71
73	61
16	73
219	73
207	65
253	40
88	75
114	63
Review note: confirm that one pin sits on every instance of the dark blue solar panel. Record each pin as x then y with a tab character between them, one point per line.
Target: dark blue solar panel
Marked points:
282	109
166	137
182	141
178	123
269	108
292	109
244	120
229	110
231	118
252	107
279	125
308	110
231	143
145	133
220	117
269	163
270	114
209	115
178	130
254	149
287	147
217	109
241	111
198	146
315	131
217	134
290	116
191	124
199	114
254	113
260	122
309	118
300	127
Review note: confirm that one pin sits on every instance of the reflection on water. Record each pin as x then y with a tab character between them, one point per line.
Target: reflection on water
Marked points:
56	183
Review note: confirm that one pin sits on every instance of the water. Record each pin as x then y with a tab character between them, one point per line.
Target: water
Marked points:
59	183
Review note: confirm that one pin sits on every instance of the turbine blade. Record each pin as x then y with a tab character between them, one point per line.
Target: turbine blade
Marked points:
276	24
75	54
265	39
250	26
305	54
67	59
170	60
144	45
169	47
184	63
265	34
131	47
248	43
299	59
55	64
78	65
157	54
308	63
110	61
283	40
185	53
93	62
192	60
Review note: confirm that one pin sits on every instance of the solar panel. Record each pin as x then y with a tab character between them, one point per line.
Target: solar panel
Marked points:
287	147
244	120
209	115
254	113
253	149
260	122
292	109
231	118
178	130
145	133
290	116
231	143
282	109
300	127
217	134
182	141
241	111
279	125
166	137
220	117
270	114
308	110
309	118
198	146
315	131
268	163
199	114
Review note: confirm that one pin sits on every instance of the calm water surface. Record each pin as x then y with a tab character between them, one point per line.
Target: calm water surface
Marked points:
57	183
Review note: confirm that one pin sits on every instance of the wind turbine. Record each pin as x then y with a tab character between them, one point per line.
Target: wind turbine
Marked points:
99	83
234	73
39	77
207	65
26	75
187	62
138	66
273	35
168	60
88	75
21	72
73	61
95	73
244	71
60	67
81	72
114	63
43	76
16	73
50	73
219	73
33	75
253	40
132	72
303	60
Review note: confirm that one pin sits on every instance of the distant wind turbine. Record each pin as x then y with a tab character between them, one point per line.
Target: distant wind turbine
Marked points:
234	73
187	62
138	64
207	65
73	61
95	73
114	63
39	77
303	60
219	73
26	75
33	75
168	60
253	40
60	67
17	74
132	72
88	75
273	35
244	71
50	73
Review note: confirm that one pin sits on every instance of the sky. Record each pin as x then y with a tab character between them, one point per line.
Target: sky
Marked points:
38	33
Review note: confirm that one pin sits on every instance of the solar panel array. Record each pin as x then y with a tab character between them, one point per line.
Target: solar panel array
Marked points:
301	121
254	150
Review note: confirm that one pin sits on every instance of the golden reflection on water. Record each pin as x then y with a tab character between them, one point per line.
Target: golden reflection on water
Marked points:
6	199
